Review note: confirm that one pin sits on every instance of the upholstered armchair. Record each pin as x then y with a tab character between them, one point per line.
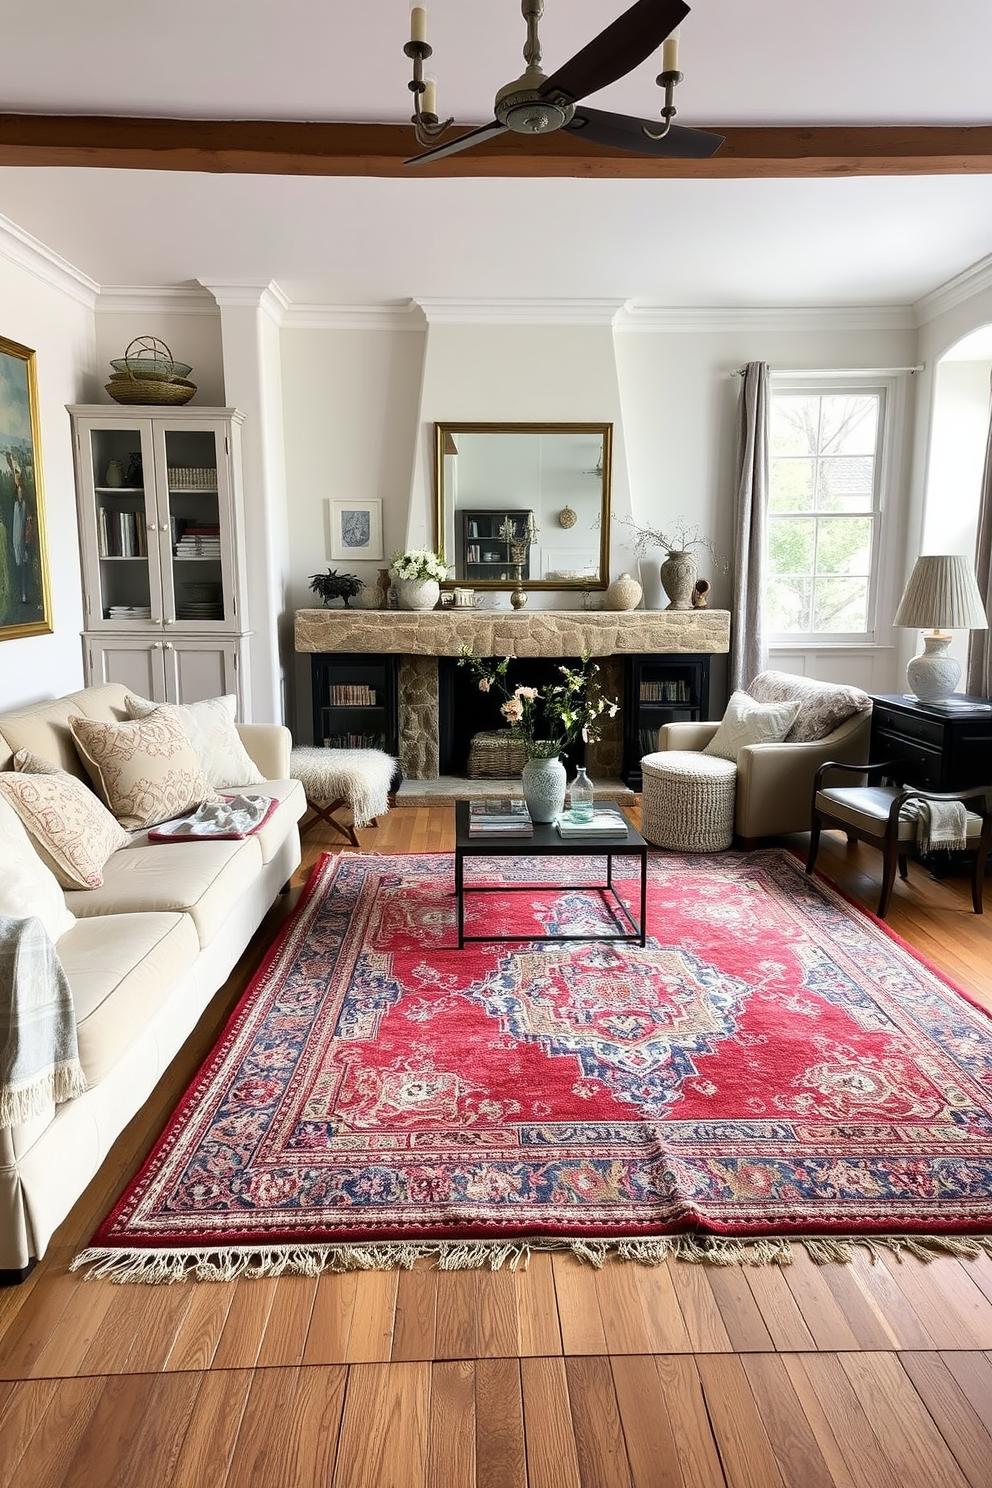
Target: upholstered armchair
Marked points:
775	781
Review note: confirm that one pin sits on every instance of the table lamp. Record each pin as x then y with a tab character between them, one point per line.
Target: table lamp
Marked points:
942	595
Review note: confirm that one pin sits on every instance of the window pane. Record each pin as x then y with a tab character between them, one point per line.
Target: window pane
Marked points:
791	545
844	546
790	485
794	425
788	604
841	605
849	424
846	484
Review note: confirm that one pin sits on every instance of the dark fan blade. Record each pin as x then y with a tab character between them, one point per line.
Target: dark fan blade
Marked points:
617	50
463	142
623	133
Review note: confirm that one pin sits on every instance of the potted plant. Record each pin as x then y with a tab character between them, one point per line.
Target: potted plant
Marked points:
333	585
416	575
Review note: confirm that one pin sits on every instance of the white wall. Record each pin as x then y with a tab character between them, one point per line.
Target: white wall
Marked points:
192	334
57	323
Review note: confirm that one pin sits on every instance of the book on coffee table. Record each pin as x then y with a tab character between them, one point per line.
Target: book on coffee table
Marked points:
498	817
606	821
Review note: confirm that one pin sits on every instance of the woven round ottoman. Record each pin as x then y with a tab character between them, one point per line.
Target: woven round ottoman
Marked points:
687	800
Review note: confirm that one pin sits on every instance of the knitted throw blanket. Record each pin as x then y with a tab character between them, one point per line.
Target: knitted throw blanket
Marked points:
941	826
39	1060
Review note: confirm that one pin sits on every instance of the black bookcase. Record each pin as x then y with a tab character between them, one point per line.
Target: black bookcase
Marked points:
660	689
485	554
355	702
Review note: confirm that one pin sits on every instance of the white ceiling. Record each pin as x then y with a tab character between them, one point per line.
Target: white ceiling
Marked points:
850	241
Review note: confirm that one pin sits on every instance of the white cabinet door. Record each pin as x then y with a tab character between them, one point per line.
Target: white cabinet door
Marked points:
198	669
137	662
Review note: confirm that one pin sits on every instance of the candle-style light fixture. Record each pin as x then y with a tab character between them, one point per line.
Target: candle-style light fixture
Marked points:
519	544
537	104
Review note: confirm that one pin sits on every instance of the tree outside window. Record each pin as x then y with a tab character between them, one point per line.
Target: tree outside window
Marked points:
824	452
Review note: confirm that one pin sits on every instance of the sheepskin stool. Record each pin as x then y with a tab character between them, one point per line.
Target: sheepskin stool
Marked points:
361	779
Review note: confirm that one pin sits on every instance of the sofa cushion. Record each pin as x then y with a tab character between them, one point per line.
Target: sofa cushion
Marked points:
119	976
748	722
27	887
145	770
213	734
202	879
823	706
72	830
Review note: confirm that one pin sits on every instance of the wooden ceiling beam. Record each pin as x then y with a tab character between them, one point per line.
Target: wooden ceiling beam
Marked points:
284	148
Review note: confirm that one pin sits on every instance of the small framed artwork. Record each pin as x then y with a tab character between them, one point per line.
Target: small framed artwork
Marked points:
25	597
356	529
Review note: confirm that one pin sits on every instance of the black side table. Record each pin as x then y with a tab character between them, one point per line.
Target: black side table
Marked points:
941	746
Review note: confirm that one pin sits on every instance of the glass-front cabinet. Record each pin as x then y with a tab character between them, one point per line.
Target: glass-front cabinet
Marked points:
161	539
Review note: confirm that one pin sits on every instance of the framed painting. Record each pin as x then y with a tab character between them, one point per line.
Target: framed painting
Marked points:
25	597
356	529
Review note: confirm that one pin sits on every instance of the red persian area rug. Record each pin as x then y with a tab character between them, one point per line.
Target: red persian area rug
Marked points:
774	1065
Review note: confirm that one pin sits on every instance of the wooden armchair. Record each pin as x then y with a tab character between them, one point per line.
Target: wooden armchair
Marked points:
874	814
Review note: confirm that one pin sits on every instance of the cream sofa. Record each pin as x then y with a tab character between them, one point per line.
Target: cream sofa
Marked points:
775	781
148	951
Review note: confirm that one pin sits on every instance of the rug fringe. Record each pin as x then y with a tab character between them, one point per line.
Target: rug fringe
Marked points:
163	1267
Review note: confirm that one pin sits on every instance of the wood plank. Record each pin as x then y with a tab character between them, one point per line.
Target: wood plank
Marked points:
457	1335
136	1432
163	1316
779	1309
652	1453
552	1460
793	1439
954	1315
640	1310
383	1435
821	1421
909	1438
497	1325
821	1314
952	1412
827	1395
539	1331
898	1316
34	1325
290	148
52	1444
331	1318
208	1446
599	1438
244	1327
64	1350
119	1330
740	1313
288	1322
579	1316
745	1451
695	1441
500	1453
414	1324
196	1343
973	1376
289	1430
698	1305
451	1429
22	1406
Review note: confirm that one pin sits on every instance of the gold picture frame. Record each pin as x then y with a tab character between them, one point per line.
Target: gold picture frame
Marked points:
25	591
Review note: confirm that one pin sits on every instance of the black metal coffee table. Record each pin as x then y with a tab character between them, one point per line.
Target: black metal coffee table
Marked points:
547	843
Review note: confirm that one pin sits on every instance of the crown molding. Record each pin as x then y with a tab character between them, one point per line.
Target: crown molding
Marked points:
696	318
244	294
520	312
964	286
400	315
152	299
43	263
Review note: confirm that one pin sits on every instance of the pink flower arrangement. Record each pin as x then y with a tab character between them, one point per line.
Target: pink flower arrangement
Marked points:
547	721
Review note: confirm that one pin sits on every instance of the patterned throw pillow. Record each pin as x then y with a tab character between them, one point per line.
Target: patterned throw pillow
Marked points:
823	706
73	833
748	722
212	733
27	887
146	770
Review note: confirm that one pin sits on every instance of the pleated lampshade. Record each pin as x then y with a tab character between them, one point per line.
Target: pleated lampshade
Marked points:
942	595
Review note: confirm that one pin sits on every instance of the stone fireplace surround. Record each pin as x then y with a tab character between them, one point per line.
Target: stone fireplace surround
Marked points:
420	637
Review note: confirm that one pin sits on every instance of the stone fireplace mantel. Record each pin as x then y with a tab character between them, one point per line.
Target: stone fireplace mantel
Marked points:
513	633
423	638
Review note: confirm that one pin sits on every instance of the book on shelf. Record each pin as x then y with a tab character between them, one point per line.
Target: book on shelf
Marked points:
607	821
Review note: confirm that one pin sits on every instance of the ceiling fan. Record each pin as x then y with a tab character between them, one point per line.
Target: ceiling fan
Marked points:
537	104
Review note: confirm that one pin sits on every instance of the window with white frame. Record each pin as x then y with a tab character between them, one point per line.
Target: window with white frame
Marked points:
823	511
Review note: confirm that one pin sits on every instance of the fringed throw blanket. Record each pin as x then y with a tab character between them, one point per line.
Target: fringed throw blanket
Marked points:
941	826
39	1061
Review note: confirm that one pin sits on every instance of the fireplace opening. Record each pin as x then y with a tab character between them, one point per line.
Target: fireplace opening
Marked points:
464	711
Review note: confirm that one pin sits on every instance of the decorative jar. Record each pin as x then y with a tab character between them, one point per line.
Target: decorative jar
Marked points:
543	782
678	579
416	594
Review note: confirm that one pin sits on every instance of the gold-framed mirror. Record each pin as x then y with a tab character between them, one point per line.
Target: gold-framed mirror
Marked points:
523	505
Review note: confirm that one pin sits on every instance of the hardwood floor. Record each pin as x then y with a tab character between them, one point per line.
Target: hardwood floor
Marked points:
559	1376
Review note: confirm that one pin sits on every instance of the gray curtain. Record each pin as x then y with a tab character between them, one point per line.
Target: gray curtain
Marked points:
980	641
748	653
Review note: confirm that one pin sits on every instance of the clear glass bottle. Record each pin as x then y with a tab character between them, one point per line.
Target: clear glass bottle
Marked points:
580	795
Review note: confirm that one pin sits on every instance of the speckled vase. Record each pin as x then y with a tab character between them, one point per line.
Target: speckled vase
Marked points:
678	578
543	782
416	594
